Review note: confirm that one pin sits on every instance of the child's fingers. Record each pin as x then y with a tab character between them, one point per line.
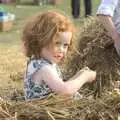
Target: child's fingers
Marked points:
84	69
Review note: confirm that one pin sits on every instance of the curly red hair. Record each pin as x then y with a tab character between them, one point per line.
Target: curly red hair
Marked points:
41	29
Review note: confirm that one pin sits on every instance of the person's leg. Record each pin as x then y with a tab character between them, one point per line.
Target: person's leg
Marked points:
75	5
88	7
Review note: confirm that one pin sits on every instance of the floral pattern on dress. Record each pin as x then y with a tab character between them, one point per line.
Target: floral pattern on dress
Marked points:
33	90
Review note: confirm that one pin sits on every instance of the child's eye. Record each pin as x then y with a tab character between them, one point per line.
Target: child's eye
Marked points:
66	45
57	43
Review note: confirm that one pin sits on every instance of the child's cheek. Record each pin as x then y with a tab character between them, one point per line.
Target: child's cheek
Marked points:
66	50
56	48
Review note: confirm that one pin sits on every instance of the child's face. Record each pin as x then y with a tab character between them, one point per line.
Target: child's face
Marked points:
57	50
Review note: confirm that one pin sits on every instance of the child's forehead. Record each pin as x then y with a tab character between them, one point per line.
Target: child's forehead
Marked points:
64	36
55	14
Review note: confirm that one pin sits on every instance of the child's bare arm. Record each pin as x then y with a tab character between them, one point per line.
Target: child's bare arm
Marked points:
81	78
58	85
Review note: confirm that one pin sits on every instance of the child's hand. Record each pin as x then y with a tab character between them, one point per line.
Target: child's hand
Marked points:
86	74
89	75
80	72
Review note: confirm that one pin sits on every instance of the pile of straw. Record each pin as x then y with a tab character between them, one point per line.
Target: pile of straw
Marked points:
95	50
61	107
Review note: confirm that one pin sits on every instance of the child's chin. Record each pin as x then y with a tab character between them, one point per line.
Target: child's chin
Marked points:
57	61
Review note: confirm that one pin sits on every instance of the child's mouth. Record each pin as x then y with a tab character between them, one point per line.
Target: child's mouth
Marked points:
58	56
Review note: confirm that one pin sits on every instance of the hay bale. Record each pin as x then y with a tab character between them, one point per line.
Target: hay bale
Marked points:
95	50
60	107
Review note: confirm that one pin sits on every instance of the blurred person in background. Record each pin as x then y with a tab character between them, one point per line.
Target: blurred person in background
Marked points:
54	2
109	14
75	5
88	7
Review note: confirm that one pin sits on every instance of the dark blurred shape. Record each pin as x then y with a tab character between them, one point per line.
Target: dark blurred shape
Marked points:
75	5
88	7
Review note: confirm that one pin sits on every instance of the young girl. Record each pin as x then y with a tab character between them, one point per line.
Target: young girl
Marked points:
47	37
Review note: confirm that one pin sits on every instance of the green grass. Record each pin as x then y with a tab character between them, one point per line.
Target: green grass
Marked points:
12	60
23	11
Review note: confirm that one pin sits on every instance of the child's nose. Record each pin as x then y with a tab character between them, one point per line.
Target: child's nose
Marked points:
61	48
